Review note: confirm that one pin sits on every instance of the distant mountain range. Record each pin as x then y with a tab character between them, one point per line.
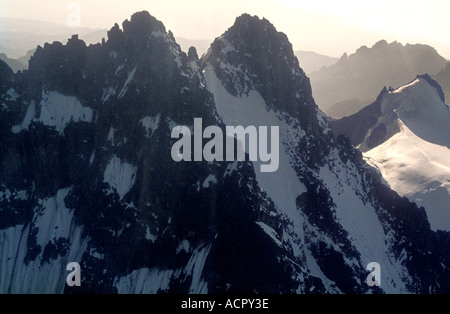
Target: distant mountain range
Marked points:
311	61
18	36
14	64
443	78
405	134
355	80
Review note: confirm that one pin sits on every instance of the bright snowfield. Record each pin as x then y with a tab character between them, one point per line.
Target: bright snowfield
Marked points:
56	110
416	161
283	186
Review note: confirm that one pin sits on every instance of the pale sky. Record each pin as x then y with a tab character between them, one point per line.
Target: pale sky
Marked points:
326	26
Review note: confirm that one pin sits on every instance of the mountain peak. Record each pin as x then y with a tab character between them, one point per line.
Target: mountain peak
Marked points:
381	44
254	35
253	55
142	23
137	30
248	20
420	105
247	25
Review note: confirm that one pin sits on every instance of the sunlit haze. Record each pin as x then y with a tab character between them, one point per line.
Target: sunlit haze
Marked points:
325	26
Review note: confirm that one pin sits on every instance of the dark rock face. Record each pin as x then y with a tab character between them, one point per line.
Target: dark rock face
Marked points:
262	45
355	127
173	205
252	55
87	176
276	80
443	78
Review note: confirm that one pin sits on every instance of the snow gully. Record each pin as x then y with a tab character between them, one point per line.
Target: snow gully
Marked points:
213	150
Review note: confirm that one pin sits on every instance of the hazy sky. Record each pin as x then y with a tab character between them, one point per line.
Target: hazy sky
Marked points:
325	26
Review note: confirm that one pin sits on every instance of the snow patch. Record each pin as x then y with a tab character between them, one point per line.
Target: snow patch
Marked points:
8	195
111	135
271	232
144	281
36	276
160	35
210	179
194	268
12	94
230	168
91	159
56	110
119	68
150	123
108	93
127	83
31	112
149	236
183	246
120	176
54	221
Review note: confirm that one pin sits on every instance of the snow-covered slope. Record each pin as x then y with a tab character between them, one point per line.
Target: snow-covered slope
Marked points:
420	105
419	170
52	229
284	186
334	193
405	134
415	162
